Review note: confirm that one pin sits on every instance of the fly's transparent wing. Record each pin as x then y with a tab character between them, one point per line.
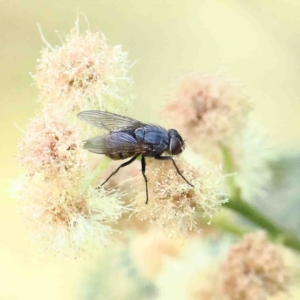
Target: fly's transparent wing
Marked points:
96	144
111	143
121	142
108	121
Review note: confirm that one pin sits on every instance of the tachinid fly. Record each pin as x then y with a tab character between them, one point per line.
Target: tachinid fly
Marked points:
127	138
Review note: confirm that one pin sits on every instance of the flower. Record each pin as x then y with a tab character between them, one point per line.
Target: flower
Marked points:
158	250
66	211
173	204
215	114
83	68
52	145
66	215
115	264
252	159
207	110
254	269
193	276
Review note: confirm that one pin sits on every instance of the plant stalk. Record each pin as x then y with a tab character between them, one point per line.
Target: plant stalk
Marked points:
276	232
237	204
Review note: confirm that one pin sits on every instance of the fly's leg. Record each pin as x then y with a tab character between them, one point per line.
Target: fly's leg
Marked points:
121	166
145	178
171	158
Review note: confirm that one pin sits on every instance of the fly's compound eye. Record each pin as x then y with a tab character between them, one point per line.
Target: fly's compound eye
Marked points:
175	146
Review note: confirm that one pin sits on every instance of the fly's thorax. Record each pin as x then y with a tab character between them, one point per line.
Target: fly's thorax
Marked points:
139	134
176	143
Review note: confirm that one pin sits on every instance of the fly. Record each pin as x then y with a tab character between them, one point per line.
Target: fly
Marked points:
129	138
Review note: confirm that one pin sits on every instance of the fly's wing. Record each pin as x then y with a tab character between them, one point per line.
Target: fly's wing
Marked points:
111	143
96	144
108	121
120	141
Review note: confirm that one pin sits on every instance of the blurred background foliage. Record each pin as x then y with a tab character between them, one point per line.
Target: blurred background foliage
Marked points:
256	42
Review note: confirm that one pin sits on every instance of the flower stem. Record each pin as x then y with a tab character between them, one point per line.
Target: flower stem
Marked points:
255	216
91	181
101	167
237	204
223	224
230	170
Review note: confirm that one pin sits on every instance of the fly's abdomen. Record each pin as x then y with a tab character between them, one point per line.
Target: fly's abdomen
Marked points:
121	145
121	155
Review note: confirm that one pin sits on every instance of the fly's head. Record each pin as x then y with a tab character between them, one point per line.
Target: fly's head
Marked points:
176	143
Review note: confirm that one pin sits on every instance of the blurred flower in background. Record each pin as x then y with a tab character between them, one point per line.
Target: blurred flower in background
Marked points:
208	110
155	267
254	269
214	115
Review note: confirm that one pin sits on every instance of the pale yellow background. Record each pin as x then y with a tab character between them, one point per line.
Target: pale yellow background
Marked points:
256	42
